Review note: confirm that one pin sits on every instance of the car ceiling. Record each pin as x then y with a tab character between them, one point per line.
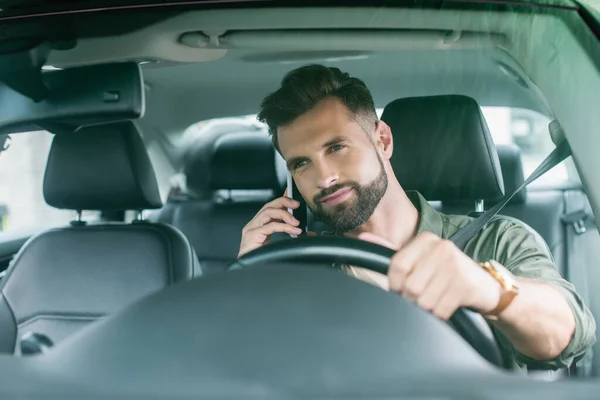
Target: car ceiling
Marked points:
46	7
397	52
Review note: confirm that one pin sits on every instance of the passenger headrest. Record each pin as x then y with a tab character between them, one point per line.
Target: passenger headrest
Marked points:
443	148
104	167
512	171
234	161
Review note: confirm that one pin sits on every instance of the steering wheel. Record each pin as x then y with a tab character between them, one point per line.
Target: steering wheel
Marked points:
341	250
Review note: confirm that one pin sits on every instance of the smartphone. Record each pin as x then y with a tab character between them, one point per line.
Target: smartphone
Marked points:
300	213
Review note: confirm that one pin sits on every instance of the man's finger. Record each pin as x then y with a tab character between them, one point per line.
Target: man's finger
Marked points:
281	202
273	227
420	275
435	289
272	214
436	261
405	260
448	302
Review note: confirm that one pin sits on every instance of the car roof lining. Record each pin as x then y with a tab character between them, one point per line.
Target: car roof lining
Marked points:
443	41
161	40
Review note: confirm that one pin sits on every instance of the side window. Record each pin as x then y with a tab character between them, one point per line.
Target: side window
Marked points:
529	131
22	204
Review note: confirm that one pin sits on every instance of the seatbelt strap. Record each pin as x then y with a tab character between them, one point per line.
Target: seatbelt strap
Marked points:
575	221
582	248
464	235
5	140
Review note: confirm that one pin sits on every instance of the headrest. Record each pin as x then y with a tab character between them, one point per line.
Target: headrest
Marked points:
512	171
103	167
234	161
443	148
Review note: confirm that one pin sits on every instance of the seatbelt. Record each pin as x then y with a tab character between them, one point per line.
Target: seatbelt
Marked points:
464	235
575	220
581	246
5	140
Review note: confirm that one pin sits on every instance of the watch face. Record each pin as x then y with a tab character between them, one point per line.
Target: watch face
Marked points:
508	277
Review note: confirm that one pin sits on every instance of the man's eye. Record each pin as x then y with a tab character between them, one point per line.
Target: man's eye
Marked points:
298	164
336	147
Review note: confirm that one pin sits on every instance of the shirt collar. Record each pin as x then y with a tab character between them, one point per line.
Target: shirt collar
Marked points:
429	219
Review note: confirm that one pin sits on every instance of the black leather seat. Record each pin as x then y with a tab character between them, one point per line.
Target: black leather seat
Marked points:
232	178
441	156
444	150
65	278
512	176
540	210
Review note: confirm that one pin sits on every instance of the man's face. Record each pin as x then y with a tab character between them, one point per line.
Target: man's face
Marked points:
335	165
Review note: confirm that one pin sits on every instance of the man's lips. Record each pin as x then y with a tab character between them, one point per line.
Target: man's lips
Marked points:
338	197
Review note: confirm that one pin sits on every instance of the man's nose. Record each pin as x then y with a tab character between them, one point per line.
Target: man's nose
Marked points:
326	176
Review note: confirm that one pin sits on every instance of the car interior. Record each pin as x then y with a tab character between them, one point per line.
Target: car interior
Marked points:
61	297
149	298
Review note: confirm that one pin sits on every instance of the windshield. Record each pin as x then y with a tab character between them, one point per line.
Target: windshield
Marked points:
149	149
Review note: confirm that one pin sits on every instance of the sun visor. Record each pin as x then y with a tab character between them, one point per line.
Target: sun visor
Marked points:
66	100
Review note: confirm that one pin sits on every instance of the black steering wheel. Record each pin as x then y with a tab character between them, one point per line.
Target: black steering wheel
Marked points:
341	250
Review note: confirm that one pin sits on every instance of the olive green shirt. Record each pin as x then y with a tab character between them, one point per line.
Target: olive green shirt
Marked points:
513	245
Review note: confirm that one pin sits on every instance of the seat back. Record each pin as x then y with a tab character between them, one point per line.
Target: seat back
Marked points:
231	180
444	150
65	278
538	210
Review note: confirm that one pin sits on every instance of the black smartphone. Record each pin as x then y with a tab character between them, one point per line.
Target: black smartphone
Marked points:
300	213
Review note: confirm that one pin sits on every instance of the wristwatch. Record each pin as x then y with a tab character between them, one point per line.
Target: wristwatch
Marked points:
507	281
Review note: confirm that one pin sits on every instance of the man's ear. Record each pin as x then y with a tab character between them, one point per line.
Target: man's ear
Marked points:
384	139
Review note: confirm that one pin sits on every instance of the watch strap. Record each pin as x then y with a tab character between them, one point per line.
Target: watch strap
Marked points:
509	289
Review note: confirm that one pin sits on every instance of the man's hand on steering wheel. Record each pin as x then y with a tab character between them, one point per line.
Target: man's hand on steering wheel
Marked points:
439	277
380	258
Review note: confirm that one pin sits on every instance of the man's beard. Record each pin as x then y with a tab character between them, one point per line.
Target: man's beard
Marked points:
351	214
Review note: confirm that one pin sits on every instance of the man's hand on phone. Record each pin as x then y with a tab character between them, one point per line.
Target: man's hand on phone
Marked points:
273	217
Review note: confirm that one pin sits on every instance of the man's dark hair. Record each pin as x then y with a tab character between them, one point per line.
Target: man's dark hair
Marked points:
302	88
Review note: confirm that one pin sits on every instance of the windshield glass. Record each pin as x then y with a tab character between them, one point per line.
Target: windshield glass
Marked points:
230	131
